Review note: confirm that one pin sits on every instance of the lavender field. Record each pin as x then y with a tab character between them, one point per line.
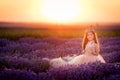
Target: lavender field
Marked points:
22	59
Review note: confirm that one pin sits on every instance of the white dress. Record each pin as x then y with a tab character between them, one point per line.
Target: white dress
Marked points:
91	54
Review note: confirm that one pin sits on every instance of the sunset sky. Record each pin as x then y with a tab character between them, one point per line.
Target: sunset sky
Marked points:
60	11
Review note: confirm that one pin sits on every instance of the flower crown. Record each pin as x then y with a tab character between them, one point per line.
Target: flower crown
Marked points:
90	28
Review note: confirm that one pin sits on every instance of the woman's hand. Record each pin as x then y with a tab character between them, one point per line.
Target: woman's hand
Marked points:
83	52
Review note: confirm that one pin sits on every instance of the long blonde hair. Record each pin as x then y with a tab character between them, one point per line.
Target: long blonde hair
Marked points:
85	40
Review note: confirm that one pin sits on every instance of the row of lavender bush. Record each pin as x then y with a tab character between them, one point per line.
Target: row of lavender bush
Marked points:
24	57
91	71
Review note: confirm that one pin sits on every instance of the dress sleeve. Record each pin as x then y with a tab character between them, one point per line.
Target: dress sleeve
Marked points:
95	49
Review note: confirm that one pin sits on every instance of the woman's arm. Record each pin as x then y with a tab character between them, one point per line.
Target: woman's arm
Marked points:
95	50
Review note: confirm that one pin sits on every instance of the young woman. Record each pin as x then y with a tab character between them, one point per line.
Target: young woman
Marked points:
90	53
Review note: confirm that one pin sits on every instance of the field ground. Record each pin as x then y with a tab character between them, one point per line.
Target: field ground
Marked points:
22	50
21	59
15	34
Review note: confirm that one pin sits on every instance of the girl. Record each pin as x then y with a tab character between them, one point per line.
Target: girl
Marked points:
90	53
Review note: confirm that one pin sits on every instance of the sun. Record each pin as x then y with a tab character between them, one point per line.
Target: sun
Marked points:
61	10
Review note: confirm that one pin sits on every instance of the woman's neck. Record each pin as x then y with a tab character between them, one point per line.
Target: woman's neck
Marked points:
91	41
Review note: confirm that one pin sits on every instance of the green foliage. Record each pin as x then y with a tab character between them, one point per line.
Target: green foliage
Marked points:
15	34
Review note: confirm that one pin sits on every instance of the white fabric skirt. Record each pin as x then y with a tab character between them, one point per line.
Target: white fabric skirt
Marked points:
81	59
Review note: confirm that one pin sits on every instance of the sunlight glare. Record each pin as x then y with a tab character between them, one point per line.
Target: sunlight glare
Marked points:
61	10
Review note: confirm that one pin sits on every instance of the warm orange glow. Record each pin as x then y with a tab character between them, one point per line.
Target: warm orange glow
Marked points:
61	10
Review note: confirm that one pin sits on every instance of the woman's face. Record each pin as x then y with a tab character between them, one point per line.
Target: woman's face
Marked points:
90	36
